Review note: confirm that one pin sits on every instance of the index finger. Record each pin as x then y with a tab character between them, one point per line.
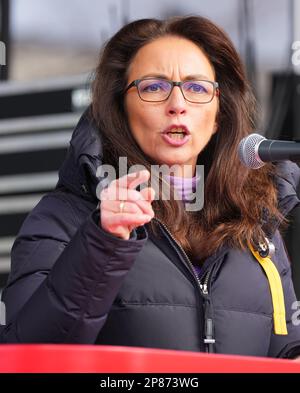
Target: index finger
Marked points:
132	180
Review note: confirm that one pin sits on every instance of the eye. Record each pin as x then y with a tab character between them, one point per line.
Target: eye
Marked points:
153	86
195	87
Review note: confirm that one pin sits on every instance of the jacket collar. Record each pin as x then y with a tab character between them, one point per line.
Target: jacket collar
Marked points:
84	156
287	180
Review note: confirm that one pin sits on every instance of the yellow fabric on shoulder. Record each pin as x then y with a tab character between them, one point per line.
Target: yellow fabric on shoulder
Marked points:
276	292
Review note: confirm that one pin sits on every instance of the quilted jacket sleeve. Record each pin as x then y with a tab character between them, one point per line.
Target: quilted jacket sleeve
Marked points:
65	275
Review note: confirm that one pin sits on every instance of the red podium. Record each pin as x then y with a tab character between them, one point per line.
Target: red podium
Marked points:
112	359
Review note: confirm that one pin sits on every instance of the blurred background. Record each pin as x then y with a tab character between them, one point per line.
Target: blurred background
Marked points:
51	50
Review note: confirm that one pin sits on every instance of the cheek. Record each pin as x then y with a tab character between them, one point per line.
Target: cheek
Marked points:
208	118
205	125
142	118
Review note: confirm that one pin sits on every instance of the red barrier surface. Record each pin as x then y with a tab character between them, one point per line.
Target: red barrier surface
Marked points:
111	359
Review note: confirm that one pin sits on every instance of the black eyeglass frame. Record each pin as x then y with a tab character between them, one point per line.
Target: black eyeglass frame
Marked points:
174	83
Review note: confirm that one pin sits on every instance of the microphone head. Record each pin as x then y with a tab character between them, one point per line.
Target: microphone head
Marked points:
248	151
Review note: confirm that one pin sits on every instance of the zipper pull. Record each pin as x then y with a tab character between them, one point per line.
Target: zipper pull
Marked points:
209	340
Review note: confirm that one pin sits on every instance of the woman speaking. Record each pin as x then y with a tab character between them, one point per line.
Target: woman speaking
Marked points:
124	265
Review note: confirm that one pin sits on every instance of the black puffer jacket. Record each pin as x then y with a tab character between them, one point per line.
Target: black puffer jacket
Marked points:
71	282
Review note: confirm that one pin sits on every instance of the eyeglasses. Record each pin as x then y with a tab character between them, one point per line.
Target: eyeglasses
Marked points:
157	90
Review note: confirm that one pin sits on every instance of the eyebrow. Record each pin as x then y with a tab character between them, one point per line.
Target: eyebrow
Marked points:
188	77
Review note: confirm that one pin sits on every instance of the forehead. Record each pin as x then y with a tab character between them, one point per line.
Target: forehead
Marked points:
170	56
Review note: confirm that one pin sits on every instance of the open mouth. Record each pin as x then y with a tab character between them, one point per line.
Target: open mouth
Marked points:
177	133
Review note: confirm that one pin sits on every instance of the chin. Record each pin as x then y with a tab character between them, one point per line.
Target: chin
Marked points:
172	161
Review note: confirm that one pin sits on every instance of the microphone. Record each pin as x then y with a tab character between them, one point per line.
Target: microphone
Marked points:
254	151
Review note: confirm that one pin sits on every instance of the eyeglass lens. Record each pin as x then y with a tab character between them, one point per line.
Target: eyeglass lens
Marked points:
159	90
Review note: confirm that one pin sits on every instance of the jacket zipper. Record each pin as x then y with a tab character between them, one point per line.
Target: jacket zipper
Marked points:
208	340
205	283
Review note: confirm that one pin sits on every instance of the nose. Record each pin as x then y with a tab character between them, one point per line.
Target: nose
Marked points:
176	104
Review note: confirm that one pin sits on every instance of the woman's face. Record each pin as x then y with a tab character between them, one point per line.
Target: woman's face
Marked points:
176	59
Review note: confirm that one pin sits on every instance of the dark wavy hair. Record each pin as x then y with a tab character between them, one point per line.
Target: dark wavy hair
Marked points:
235	197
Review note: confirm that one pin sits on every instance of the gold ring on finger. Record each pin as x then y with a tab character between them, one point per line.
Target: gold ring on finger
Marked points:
121	206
